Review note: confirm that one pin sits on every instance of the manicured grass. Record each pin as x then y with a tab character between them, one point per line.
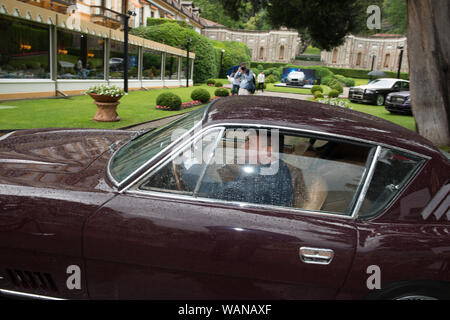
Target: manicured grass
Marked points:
360	82
312	50
379	111
272	87
78	111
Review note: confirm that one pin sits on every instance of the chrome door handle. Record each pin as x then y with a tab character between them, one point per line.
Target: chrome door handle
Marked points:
316	255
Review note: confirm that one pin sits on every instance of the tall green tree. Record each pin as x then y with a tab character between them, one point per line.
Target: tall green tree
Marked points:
395	14
328	22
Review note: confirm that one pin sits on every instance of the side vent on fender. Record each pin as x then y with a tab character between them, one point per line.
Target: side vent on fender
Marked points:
31	280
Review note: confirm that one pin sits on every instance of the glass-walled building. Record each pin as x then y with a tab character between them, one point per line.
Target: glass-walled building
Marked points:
45	53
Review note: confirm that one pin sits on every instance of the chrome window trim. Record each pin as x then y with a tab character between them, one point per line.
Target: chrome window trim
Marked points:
235	204
120	184
353	215
363	192
27	295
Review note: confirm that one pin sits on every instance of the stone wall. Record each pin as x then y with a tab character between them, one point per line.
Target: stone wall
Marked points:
266	46
361	52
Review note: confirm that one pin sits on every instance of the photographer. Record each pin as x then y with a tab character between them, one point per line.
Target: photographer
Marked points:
247	85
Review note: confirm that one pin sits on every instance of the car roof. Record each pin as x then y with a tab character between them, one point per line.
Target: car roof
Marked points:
392	79
316	117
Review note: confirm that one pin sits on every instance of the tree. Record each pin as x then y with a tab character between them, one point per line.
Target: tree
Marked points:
328	22
429	67
395	15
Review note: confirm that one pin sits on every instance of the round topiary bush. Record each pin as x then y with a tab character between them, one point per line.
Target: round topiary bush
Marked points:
318	95
336	85
219	84
211	81
201	95
333	94
316	88
348	82
270	79
170	100
222	92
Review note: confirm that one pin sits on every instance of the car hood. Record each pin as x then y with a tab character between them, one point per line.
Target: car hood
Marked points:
43	157
400	94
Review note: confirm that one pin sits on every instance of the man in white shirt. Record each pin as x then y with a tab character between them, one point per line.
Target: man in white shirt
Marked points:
261	78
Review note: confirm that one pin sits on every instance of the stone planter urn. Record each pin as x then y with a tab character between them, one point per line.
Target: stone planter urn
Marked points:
106	107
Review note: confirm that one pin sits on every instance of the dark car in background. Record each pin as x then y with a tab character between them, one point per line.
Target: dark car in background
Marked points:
100	214
399	102
376	91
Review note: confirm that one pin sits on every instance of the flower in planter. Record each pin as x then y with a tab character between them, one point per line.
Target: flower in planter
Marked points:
105	90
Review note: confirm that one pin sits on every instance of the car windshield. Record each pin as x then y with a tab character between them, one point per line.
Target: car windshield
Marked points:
138	151
382	83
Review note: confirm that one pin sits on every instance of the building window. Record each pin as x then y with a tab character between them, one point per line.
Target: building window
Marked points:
387	60
151	65
116	61
261	53
152	14
141	16
79	56
25	50
281	52
358	59
335	54
171	68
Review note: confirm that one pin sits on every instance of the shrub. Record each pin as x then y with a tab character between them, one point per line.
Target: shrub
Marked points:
200	95
168	99
211	81
318	95
348	82
222	92
316	88
333	94
172	34
219	84
270	79
326	80
336	85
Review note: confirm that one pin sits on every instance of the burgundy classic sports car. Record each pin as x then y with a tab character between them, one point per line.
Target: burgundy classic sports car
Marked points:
336	204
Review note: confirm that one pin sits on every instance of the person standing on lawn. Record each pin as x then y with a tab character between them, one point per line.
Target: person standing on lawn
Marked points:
247	85
261	79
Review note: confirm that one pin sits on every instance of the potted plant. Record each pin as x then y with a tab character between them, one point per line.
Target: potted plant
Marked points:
107	99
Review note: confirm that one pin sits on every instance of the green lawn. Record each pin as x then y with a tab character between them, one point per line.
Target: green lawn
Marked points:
402	120
78	111
312	50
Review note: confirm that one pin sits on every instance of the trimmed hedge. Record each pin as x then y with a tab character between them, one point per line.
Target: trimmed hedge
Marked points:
316	88
172	34
235	53
362	73
333	93
201	95
219	84
336	85
211	81
158	21
222	92
318	95
168	99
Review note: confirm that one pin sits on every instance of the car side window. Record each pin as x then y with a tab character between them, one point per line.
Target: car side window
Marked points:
306	173
396	85
405	85
182	171
392	172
